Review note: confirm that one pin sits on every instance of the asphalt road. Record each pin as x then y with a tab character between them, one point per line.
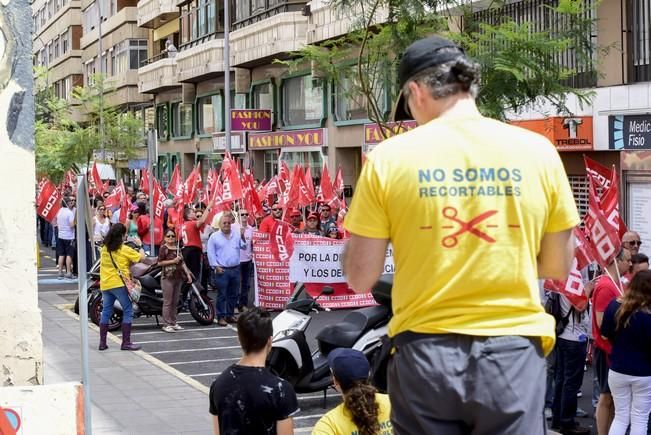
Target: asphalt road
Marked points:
200	352
203	352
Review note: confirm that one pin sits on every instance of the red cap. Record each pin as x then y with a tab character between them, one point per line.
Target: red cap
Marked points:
313	216
294	212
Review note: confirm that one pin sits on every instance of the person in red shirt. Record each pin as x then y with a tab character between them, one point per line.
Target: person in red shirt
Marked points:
606	289
267	224
191	233
143	229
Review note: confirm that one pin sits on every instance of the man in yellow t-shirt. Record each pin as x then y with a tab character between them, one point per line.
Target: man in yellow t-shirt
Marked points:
476	211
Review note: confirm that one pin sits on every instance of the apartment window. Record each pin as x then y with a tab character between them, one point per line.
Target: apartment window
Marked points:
57	6
65	41
91	18
303	101
50	52
90	70
50	8
137	52
262	97
210	114
63	3
67	87
181	120
43	16
127	55
350	104
35	25
639	60
270	163
57	51
162	121
199	19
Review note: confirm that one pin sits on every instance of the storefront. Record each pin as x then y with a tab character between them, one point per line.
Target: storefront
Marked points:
304	147
373	133
631	134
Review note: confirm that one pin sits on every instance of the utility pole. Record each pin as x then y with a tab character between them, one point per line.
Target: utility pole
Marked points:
151	157
227	74
101	83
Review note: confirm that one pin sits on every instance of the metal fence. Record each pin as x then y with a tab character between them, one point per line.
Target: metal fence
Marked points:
543	18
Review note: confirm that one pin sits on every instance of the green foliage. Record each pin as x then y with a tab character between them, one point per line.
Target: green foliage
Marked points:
63	143
520	63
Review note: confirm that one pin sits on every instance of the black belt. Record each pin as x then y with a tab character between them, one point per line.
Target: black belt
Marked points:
225	267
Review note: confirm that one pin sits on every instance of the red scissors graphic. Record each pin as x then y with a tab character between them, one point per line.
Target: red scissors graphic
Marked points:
466	227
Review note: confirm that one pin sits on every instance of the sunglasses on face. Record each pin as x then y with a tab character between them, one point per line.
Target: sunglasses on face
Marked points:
634	242
244	214
170	236
101	209
275	209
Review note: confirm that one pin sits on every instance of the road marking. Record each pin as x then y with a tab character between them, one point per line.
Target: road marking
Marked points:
181	330
318	396
181	321
203	361
194	350
54	281
67	292
186	339
205	374
305	417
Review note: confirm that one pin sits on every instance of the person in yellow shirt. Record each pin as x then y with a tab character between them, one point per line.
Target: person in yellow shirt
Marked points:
476	211
364	411
115	259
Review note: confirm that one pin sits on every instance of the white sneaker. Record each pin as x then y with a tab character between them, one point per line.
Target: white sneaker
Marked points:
168	328
177	327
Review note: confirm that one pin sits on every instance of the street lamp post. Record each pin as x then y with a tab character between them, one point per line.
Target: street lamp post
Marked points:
227	74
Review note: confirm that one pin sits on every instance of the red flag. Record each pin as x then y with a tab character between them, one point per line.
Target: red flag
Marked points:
175	186
251	199
271	188
41	183
305	197
281	241
338	183
210	180
144	181
159	201
231	185
105	187
124	209
95	185
115	198
603	236
283	175
309	183
48	202
572	288
601	173
326	193
192	184
583	252
609	202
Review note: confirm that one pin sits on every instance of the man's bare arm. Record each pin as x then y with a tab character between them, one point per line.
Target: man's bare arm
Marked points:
363	261
556	255
285	427
215	425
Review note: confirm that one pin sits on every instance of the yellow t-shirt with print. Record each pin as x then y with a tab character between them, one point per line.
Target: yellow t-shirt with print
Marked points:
339	421
108	275
465	202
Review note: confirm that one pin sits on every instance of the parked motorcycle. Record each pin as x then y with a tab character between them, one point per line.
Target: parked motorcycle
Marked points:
308	371
201	307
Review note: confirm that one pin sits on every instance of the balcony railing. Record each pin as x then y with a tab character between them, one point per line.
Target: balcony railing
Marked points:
202	61
157	73
271	8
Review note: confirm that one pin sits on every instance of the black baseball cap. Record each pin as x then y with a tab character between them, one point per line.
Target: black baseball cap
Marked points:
420	55
348	366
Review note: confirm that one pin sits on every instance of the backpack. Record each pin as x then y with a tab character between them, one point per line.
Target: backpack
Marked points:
553	308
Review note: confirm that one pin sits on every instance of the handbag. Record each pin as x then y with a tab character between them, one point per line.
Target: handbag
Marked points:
134	288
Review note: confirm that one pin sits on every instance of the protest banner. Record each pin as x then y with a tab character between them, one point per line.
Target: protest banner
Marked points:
274	286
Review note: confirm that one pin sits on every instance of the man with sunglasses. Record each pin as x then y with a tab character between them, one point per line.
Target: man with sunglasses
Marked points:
267	224
631	241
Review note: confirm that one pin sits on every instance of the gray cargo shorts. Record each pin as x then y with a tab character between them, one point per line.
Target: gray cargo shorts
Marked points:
450	384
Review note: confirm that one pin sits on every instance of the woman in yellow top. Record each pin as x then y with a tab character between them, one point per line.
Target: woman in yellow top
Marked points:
115	253
364	411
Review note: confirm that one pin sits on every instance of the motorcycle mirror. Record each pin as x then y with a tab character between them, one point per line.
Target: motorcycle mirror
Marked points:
327	290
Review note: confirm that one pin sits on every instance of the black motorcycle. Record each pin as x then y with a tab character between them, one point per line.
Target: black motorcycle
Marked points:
201	307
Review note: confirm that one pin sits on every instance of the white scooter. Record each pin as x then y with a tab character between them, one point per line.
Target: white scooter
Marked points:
361	329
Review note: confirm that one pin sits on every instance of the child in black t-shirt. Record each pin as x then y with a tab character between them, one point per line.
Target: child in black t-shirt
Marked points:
246	398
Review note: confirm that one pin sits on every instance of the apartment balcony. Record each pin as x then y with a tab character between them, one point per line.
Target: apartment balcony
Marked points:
328	22
203	61
261	41
154	13
158	75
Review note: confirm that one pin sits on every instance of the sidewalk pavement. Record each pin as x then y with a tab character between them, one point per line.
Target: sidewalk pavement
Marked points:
131	395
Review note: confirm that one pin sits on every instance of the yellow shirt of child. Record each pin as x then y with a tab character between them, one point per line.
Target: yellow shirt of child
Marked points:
123	257
339	421
465	202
